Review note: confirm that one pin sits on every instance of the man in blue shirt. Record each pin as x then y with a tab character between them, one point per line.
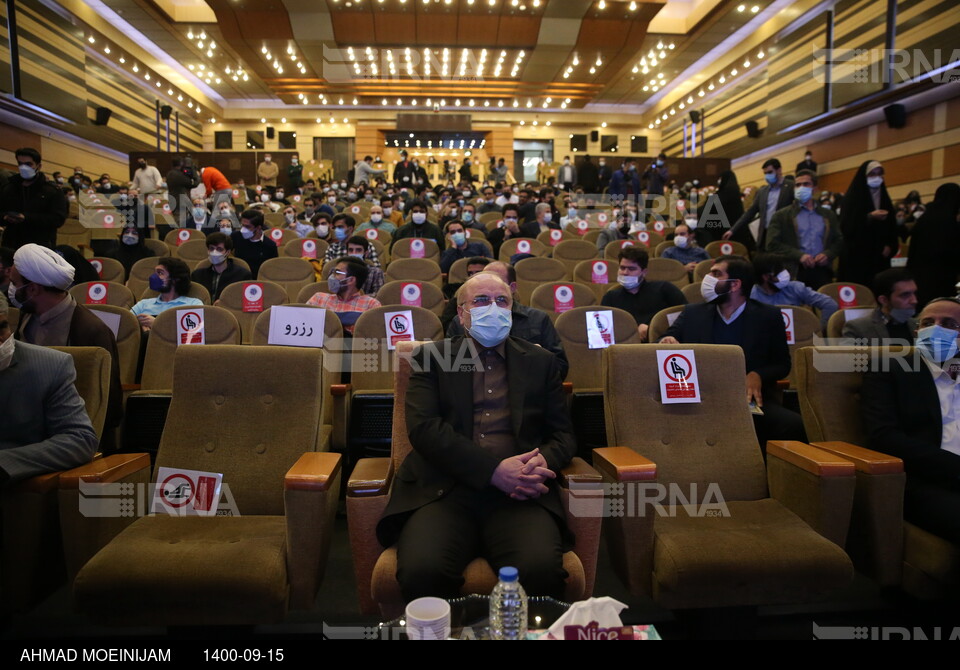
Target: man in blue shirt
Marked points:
776	194
774	287
806	235
685	248
171	279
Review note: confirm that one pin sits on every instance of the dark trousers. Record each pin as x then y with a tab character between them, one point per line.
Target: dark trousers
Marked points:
778	423
440	539
933	507
815	277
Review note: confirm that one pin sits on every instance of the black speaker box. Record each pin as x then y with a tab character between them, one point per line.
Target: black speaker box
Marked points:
896	115
753	129
270	132
594	135
695	116
103	115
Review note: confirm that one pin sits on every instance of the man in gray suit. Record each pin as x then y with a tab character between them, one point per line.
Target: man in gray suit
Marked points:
43	426
896	294
776	194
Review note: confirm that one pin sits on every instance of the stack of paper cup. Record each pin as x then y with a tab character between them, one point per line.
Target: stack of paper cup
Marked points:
428	619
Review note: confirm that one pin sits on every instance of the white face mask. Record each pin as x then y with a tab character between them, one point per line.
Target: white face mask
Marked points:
783	278
265	197
680	241
708	288
6	352
322	230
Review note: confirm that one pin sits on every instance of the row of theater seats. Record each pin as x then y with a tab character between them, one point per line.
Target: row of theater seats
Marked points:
781	533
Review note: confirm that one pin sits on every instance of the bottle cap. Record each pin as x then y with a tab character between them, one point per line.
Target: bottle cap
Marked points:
508	574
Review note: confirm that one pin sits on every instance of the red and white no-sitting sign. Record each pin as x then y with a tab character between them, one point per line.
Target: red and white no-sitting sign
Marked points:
628	243
190	327
97	294
98	266
602	217
308	248
253	298
411	294
556	236
183	236
599	273
789	325
399	326
678	376
563	298
372	233
726	249
583	227
644	238
658	226
108	220
276	234
523	247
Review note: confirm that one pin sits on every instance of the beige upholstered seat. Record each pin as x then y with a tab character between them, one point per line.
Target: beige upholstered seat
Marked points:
430	296
232	299
545	297
586	272
533	272
414	269
290	273
237	570
746	537
116	294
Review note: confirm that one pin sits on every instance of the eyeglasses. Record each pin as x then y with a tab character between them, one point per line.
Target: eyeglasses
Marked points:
484	300
948	323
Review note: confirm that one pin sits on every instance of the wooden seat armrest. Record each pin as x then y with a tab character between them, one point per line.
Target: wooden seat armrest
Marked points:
339	390
370	477
579	471
624	464
865	460
40	484
105	470
313	471
813	460
130	387
568	388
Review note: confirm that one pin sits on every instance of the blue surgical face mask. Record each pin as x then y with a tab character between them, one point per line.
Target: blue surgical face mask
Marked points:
340	234
803	194
157	284
771	177
874	182
490	325
467	217
459	238
936	343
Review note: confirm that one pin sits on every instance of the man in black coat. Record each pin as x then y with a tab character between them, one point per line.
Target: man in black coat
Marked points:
489	429
730	317
32	207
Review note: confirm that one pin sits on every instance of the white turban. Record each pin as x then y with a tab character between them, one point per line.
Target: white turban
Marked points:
43	266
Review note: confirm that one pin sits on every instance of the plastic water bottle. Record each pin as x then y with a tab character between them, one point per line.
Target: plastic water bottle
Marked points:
508	607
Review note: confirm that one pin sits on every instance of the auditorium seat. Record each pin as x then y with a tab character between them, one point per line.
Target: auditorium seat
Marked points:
719	248
667	269
295	248
573	252
233	299
109	269
862	295
197	290
430	296
586	272
235	570
407	248
414	269
662	321
545	297
290	273
745	537
128	338
192	252
521	245
116	294
180	236
532	272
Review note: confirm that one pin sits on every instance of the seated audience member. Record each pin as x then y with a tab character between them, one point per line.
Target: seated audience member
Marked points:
342	231
685	249
360	247
345	296
508	229
489	203
321	226
469	218
807	235
50	316
199	218
419	226
222	271
487	491
43	426
460	246
130	248
290	222
378	221
896	295
250	244
911	414
171	279
641	298
729	317
774	288
474	266
527	323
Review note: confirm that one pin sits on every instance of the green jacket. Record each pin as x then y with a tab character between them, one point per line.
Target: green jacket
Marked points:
783	237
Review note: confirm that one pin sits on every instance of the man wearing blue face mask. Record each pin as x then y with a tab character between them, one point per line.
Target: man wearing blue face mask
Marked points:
460	246
774	195
806	235
913	414
342	230
250	244
486	418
